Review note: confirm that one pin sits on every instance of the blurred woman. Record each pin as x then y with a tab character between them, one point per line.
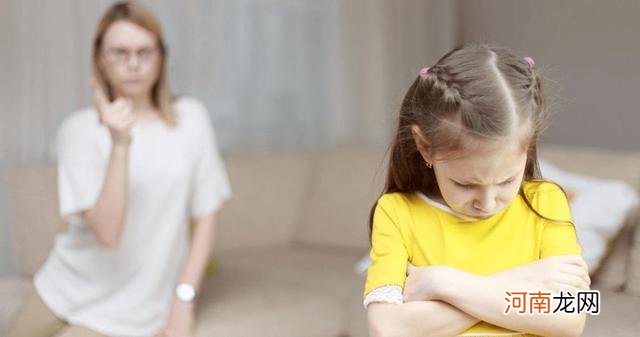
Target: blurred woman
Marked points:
133	171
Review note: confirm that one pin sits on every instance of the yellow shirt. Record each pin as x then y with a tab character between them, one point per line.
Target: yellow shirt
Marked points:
408	228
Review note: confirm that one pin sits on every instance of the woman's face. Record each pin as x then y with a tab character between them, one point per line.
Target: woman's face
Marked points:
130	59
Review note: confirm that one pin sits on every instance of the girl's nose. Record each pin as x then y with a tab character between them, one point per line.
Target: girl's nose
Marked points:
486	202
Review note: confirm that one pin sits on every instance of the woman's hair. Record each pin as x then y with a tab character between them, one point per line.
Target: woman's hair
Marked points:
474	92
134	13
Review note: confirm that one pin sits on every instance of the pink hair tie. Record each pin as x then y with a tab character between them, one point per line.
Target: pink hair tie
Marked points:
424	71
529	60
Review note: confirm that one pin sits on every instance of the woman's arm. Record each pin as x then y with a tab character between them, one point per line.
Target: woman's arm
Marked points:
201	248
107	216
181	317
422	318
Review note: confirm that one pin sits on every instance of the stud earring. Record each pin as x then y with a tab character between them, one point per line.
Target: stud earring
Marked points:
429	165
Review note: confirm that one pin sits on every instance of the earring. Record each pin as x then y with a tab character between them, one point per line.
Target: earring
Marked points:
429	165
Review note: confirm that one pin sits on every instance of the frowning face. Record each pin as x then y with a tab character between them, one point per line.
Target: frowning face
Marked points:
484	180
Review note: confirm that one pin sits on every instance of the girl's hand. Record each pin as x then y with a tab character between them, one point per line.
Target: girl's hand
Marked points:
424	283
180	322
567	272
116	115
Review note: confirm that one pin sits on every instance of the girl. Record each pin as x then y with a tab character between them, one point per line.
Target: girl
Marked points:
132	172
464	216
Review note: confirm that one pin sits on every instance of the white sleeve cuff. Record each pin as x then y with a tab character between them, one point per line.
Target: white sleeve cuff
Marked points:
388	294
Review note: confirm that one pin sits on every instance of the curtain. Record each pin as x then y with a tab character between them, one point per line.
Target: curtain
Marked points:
276	75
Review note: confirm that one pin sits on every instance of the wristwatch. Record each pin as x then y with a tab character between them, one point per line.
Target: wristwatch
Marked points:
185	292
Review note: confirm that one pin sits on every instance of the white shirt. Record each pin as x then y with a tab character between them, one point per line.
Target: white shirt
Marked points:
174	174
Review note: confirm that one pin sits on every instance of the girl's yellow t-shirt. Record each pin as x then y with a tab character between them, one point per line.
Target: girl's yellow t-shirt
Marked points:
406	228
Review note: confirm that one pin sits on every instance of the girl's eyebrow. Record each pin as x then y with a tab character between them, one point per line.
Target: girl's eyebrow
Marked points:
477	183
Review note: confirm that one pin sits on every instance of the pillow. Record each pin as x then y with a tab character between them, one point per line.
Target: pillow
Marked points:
600	209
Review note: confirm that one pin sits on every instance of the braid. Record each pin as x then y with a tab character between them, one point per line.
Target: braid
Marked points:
537	96
442	86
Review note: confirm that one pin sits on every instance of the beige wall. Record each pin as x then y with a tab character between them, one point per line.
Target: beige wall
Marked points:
378	47
383	44
589	47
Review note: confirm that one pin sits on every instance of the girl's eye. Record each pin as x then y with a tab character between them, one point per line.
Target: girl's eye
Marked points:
463	185
507	182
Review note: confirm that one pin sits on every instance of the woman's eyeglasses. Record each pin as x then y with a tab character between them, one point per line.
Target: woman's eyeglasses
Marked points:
122	55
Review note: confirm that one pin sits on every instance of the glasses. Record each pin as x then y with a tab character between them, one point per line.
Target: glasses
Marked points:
122	55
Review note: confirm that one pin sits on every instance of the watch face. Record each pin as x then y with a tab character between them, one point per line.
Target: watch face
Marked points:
185	292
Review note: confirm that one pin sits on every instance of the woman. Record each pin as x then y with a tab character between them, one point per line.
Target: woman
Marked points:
132	172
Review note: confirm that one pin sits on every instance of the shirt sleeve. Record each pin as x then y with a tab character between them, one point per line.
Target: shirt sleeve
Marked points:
81	169
389	255
210	183
558	237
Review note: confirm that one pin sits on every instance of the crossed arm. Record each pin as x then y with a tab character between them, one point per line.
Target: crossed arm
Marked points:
443	301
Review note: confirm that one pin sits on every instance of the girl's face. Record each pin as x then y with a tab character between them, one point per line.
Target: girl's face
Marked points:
130	59
483	181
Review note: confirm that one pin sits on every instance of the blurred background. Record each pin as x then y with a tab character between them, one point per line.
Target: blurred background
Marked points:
291	78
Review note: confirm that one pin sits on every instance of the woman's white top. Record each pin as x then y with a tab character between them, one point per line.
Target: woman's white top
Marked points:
175	174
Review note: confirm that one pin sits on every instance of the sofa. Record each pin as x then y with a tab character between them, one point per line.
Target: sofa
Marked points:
288	241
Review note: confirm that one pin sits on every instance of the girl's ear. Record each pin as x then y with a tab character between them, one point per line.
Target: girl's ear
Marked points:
421	143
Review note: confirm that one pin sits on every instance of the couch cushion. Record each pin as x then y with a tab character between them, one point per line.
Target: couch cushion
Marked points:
346	183
33	205
311	291
268	192
282	291
13	291
618	316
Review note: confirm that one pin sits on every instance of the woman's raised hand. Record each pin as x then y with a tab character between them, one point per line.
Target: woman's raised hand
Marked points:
116	115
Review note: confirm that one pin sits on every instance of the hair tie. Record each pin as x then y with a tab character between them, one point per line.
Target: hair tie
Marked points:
529	60
424	71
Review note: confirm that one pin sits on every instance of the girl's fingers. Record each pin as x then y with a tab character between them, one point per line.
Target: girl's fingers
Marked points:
579	272
578	268
574	281
575	270
574	259
564	287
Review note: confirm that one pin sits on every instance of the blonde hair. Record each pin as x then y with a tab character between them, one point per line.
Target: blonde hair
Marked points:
161	97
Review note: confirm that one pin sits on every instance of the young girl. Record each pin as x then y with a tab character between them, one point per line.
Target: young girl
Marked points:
133	171
465	216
